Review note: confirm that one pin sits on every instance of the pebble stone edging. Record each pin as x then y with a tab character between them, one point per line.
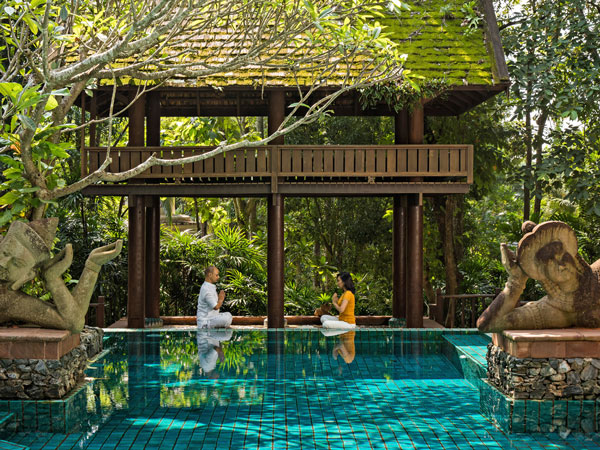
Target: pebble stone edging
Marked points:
36	379
543	378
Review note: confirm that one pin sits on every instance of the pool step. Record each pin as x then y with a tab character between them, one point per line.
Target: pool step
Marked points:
8	424
5	445
467	352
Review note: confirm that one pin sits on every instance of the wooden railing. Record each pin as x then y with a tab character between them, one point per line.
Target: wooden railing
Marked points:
293	162
468	308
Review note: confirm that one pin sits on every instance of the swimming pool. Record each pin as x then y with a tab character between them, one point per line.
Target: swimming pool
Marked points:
295	389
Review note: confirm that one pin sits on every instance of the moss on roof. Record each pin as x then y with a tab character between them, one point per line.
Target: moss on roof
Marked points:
433	33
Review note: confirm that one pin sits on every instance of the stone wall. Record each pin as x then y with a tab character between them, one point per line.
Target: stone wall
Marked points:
32	379
543	378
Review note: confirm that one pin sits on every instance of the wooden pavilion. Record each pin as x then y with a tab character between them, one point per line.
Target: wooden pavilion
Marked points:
473	67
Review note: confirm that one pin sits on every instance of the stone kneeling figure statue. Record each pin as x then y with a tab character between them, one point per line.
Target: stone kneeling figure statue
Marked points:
547	253
25	251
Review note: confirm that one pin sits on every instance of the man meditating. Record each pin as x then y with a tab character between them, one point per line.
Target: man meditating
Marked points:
209	302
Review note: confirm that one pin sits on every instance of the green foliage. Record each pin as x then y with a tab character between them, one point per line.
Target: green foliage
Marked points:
49	157
401	95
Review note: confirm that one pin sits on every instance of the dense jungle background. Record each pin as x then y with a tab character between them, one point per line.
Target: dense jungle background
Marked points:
537	158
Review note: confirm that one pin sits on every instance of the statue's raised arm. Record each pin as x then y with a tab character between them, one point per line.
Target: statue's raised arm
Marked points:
25	250
547	253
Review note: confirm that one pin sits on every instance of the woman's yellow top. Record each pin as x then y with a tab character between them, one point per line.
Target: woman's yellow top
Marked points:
348	314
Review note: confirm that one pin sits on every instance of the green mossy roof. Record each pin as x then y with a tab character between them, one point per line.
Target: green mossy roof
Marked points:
433	33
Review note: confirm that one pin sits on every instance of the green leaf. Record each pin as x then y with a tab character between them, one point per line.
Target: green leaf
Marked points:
63	91
27	122
29	189
64	14
51	104
31	24
9	198
11	90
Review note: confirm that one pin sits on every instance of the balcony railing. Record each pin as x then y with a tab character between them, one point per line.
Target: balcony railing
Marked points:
447	163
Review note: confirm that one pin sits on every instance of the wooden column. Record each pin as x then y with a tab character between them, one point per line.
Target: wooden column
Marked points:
153	218
416	125
414	254
153	114
401	123
399	257
152	258
414	251
275	211
137	115
136	289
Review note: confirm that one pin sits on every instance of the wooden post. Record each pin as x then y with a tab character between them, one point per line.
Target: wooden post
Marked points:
414	253
100	312
414	276
399	258
401	124
153	257
135	301
275	211
93	116
153	218
416	125
401	127
153	114
83	154
137	115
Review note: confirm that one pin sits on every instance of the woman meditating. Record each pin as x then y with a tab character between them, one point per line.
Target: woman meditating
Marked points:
345	305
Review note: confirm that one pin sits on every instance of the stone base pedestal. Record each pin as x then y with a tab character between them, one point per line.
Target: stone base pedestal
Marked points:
44	364
544	380
546	364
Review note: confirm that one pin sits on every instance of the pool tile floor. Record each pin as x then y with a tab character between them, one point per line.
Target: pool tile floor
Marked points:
408	397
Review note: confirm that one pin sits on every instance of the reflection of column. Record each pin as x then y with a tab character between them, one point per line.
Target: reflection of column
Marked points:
135	367
275	354
152	368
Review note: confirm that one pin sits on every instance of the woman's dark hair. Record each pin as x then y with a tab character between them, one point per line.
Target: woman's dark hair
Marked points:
347	280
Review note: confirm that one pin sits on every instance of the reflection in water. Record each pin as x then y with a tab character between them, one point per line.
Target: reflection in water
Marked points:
345	348
209	347
223	366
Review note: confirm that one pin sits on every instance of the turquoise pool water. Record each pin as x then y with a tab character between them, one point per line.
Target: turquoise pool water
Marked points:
295	389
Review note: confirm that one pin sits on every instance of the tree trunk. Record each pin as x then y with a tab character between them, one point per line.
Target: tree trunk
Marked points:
445	209
539	143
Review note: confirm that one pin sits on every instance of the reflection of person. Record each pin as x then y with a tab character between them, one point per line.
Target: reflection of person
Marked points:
547	253
25	248
345	348
345	305
209	302
209	347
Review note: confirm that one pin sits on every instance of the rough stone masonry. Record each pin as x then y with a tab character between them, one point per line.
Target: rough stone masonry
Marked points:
543	378
36	379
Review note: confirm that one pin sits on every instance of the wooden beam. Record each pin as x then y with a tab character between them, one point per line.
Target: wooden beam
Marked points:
219	190
136	276
499	68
